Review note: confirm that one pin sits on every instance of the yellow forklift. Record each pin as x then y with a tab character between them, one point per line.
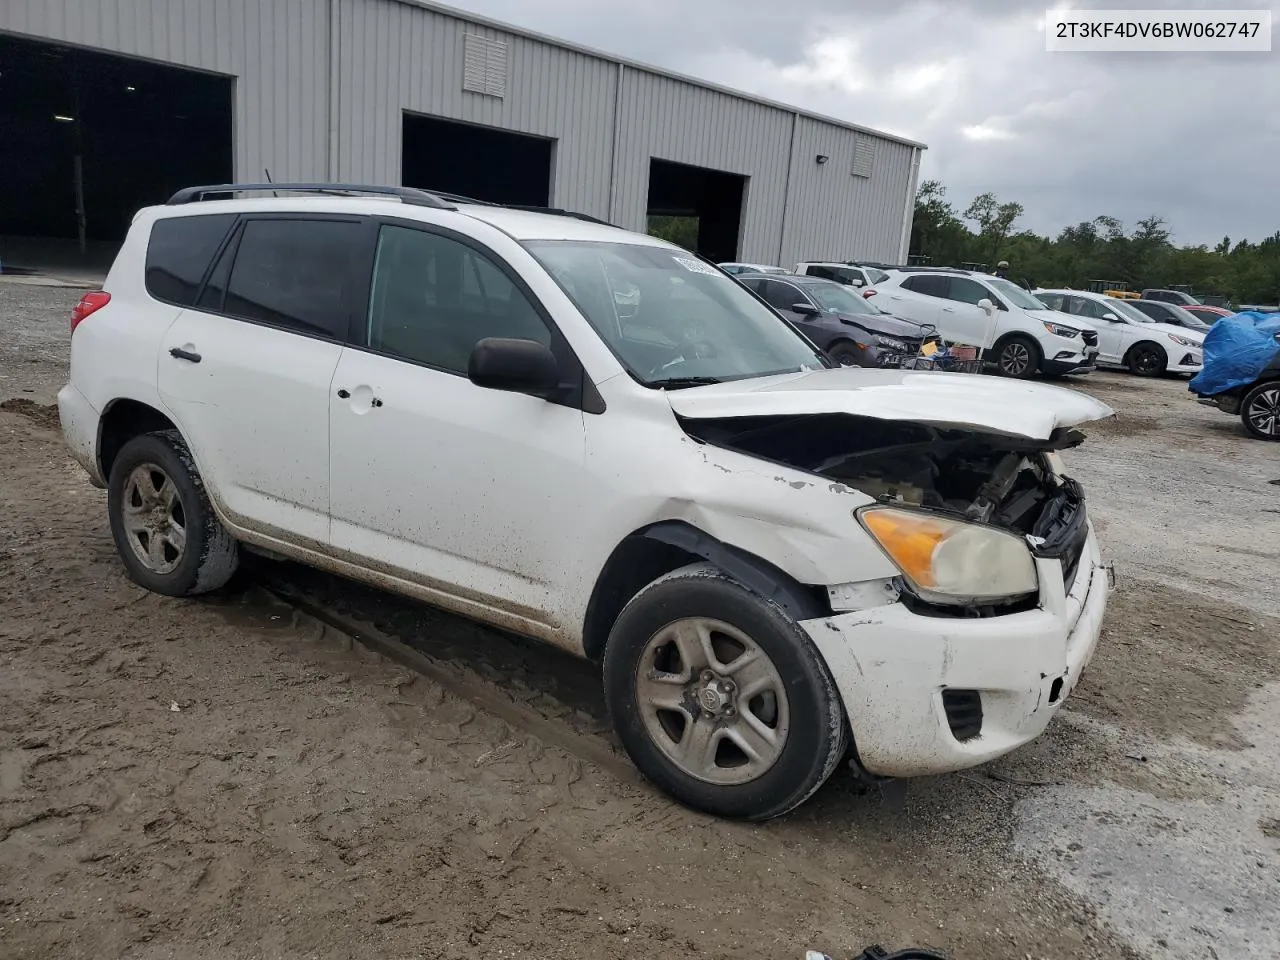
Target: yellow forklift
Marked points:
1114	288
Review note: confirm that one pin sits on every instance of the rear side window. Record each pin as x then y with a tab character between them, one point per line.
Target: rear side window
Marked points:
179	254
826	273
930	285
295	274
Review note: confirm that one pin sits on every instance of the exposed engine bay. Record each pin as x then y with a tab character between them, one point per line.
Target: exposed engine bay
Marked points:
979	476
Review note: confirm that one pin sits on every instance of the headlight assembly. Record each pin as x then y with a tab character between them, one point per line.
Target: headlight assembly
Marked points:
1182	341
1058	330
951	561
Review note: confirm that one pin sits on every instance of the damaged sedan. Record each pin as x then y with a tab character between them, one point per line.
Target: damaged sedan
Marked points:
594	438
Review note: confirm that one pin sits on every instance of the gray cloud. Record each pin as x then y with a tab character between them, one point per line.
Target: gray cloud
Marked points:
1189	137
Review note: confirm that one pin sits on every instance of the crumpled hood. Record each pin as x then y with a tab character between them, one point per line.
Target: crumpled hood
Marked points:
974	401
885	323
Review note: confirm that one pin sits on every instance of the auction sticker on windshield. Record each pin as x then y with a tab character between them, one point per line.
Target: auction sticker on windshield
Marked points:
695	266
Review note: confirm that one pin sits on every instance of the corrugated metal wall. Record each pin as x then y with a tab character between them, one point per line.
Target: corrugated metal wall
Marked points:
322	85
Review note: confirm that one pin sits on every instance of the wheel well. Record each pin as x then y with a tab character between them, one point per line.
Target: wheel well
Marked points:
1016	335
652	551
123	420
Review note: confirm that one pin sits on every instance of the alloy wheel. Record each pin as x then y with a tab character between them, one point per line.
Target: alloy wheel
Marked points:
154	521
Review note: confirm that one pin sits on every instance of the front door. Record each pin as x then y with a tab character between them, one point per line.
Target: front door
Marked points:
1110	332
246	371
961	319
456	488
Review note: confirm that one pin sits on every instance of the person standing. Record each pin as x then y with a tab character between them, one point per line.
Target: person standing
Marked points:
1002	269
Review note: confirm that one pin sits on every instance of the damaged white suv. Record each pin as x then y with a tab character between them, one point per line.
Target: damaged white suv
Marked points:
779	564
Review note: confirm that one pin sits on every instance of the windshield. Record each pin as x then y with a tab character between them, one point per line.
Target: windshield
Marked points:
835	298
669	317
1127	311
1014	294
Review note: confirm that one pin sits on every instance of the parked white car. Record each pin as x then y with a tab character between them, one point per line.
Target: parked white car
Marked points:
1020	335
781	564
737	268
1127	337
850	274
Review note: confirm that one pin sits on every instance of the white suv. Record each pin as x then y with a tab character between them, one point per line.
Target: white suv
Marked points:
1021	336
780	564
850	274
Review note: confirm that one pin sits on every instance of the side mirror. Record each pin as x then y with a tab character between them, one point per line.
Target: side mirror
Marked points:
1110	318
855	282
805	309
987	305
517	366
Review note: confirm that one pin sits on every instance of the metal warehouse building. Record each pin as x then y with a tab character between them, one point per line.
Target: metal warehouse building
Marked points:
108	105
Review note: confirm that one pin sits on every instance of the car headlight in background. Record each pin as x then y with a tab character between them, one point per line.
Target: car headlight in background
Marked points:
1058	330
1182	341
950	561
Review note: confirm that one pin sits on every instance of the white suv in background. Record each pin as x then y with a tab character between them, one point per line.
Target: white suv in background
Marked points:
1019	334
850	274
781	564
1128	337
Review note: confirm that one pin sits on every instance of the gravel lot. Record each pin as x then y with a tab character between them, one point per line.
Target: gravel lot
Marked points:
237	778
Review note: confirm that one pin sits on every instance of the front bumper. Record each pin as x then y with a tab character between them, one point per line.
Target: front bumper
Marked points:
1189	360
1063	355
80	430
892	666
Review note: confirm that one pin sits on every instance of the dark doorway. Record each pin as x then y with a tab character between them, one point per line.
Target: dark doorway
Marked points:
484	163
86	138
713	197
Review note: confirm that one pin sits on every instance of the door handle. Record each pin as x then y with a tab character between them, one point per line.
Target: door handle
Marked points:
948	309
180	354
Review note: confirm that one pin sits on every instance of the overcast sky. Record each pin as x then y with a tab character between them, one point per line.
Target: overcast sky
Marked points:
1192	138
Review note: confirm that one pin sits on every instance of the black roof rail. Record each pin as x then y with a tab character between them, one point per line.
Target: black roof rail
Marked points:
556	212
410	195
459	198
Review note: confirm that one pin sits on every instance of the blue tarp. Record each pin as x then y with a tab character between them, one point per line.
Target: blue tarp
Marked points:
1236	349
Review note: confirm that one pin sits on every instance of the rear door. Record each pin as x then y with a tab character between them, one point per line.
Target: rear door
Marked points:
1111	333
246	371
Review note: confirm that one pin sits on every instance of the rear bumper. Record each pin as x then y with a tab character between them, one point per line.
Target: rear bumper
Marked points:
892	668
80	431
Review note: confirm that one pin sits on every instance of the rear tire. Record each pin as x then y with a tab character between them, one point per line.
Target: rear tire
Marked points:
1147	360
1018	357
1260	411
166	533
720	698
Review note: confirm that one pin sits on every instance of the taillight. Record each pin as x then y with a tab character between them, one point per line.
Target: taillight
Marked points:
91	302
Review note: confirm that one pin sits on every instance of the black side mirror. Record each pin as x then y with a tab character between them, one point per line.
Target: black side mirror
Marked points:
518	366
805	309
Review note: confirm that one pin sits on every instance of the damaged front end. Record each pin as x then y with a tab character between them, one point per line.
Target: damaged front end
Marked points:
963	512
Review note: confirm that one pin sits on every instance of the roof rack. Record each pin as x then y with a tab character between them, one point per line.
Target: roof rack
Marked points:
555	212
409	195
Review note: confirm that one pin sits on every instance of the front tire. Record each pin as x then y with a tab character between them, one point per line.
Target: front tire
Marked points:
1260	411
1018	357
165	531
1147	360
720	698
846	354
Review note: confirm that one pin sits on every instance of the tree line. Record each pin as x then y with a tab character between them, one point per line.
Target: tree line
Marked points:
1098	249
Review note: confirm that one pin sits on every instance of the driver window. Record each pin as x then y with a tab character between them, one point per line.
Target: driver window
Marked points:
968	291
781	296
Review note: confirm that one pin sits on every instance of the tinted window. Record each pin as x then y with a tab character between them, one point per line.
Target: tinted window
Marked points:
1053	301
783	296
1151	309
179	253
433	298
295	274
964	290
826	273
928	284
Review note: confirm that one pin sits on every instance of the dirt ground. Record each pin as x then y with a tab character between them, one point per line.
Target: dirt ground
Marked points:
238	777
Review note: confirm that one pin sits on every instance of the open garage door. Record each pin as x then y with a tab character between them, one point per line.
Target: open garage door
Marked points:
86	138
484	163
686	201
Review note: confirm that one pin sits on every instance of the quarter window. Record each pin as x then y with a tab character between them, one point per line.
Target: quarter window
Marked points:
433	298
179	253
295	274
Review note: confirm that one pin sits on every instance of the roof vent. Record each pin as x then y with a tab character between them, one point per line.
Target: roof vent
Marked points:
484	65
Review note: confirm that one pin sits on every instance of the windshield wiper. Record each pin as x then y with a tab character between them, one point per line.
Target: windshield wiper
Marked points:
676	383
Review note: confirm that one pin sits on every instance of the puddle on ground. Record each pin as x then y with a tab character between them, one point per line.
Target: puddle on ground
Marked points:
1178	878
